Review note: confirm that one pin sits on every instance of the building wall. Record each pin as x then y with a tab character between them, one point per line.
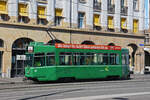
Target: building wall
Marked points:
36	32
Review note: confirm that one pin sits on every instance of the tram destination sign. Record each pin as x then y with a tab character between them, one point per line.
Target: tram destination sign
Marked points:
82	46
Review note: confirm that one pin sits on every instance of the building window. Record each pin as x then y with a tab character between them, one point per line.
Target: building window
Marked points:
3	11
97	5
110	23
58	17
82	1
81	20
146	40
23	13
4	17
124	25
135	26
23	19
42	15
136	5
96	21
124	8
111	6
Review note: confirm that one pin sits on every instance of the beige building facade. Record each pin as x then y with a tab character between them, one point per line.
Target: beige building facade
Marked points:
17	29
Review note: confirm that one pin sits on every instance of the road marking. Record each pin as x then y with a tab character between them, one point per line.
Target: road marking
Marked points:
106	96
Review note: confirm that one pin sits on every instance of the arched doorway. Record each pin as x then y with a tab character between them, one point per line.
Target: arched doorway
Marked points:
18	57
147	62
132	51
111	44
88	42
1	55
52	42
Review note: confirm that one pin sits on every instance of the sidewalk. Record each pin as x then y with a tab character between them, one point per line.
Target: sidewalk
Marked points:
11	80
20	79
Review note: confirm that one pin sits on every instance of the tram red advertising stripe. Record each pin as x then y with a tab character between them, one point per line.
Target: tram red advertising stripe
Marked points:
80	46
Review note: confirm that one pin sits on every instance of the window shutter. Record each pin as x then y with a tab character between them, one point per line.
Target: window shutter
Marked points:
3	7
135	26
41	12
110	22
23	10
123	23
58	12
96	20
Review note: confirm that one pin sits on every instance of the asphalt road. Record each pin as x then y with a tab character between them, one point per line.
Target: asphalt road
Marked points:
135	89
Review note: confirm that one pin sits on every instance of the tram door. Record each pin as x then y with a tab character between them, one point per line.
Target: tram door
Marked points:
125	63
1	54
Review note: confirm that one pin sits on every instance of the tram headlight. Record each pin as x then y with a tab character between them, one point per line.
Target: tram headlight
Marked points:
35	70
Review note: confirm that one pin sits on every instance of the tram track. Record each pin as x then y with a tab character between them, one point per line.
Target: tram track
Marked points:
61	89
75	88
18	86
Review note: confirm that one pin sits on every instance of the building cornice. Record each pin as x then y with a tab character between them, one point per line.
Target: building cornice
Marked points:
73	30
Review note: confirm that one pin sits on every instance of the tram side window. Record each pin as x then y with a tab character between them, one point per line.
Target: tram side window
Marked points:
65	59
114	59
39	60
95	61
76	58
125	59
82	59
89	60
50	59
102	59
29	58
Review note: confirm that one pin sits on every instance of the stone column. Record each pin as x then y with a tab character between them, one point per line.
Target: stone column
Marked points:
141	16
130	16
13	10
33	11
66	12
89	14
6	70
139	61
104	16
51	12
117	16
75	13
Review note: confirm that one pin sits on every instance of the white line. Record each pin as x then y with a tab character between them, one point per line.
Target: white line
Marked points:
106	96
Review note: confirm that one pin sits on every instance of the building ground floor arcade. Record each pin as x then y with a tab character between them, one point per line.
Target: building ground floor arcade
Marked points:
14	39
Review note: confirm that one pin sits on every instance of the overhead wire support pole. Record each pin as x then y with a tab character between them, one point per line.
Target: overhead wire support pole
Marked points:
70	21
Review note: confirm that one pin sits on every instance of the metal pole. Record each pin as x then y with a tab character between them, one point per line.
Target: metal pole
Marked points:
70	21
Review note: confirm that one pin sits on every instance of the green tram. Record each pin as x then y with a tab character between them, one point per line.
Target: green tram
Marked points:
75	61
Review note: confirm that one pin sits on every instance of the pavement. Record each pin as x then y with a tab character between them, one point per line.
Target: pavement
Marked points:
20	79
11	80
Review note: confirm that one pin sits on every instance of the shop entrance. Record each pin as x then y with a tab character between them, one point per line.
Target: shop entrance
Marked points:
18	56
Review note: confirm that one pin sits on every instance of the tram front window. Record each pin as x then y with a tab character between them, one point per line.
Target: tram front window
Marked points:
29	60
39	60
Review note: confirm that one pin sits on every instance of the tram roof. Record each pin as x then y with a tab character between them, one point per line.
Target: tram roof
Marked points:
41	47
